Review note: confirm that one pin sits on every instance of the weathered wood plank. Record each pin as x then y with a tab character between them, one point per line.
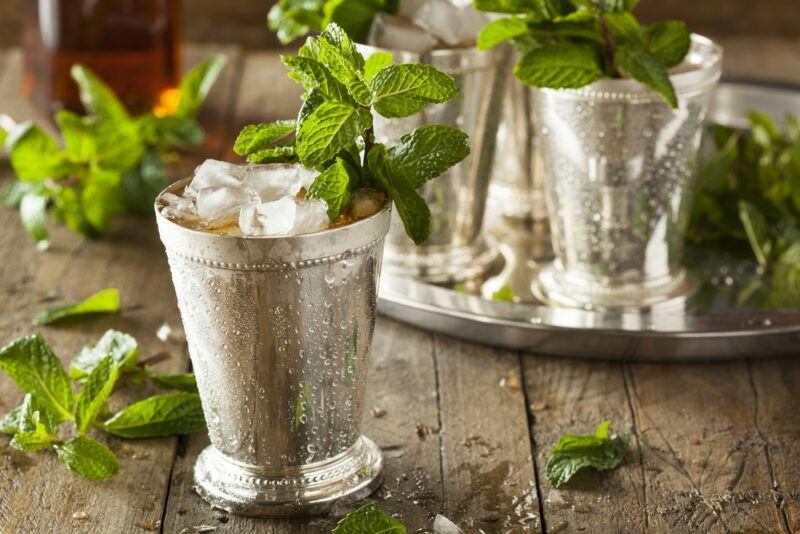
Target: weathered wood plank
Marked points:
704	460
487	465
776	385
574	397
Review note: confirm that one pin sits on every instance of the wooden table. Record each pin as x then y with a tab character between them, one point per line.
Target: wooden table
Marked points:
466	430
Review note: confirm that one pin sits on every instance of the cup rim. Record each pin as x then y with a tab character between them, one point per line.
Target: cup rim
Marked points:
329	232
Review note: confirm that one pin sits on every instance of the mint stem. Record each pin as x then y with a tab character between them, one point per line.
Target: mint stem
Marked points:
608	48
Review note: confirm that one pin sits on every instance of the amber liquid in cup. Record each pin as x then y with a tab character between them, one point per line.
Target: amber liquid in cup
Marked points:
131	44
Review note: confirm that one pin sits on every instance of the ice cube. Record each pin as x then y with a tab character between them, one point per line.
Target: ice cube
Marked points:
311	217
395	33
268	219
218	206
214	173
178	209
454	23
367	202
276	181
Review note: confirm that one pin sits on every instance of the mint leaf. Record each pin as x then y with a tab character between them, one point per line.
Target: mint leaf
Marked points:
353	16
427	152
342	49
97	97
279	154
91	400
180	381
78	132
33	213
122	348
119	145
294	18
333	186
501	30
195	86
106	301
403	90
755	226
160	133
669	41
35	155
331	127
314	75
257	137
623	26
641	65
162	415
561	65
504	294
88	458
101	197
510	6
411	207
142	184
69	209
368	520
35	430
375	63
574	453
31	363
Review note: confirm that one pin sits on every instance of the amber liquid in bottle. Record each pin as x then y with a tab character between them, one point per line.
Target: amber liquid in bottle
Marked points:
131	44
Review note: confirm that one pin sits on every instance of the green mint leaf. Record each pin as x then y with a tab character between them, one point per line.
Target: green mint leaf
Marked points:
180	381
97	97
764	130
643	66
411	207
504	294
500	31
427	152
757	230
580	30
142	184
369	519
80	142
31	363
333	186
161	133
119	145
257	137
575	453
331	128
88	458
9	424
314	75
291	19
623	27
616	6
122	347
375	63
34	427
279	154
35	155
33	213
561	65
102	197
3	136
69	209
403	90
312	101
353	16
343	46
510	6
91	400
106	301
162	415
196	85
669	41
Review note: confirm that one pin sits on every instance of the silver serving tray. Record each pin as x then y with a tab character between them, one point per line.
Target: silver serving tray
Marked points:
710	327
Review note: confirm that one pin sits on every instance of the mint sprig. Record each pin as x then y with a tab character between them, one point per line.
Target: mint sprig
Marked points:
572	43
292	19
369	518
334	133
50	402
105	301
574	453
110	162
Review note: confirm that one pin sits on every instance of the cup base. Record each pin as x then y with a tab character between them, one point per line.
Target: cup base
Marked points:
294	492
441	264
553	286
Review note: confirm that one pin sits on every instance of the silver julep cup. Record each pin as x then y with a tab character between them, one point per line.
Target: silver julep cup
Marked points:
457	249
516	189
619	170
279	332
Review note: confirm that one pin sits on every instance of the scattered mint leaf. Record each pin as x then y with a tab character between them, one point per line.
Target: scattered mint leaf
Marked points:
333	186
369	519
162	415
331	127
31	363
574	453
427	152
669	41
88	458
196	85
97	97
563	65
375	63
91	400
641	65
500	31
106	301
33	214
180	381
35	429
504	294
403	90
121	347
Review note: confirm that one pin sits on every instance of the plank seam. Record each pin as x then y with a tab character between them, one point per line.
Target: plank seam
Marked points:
627	381
532	441
439	420
168	489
